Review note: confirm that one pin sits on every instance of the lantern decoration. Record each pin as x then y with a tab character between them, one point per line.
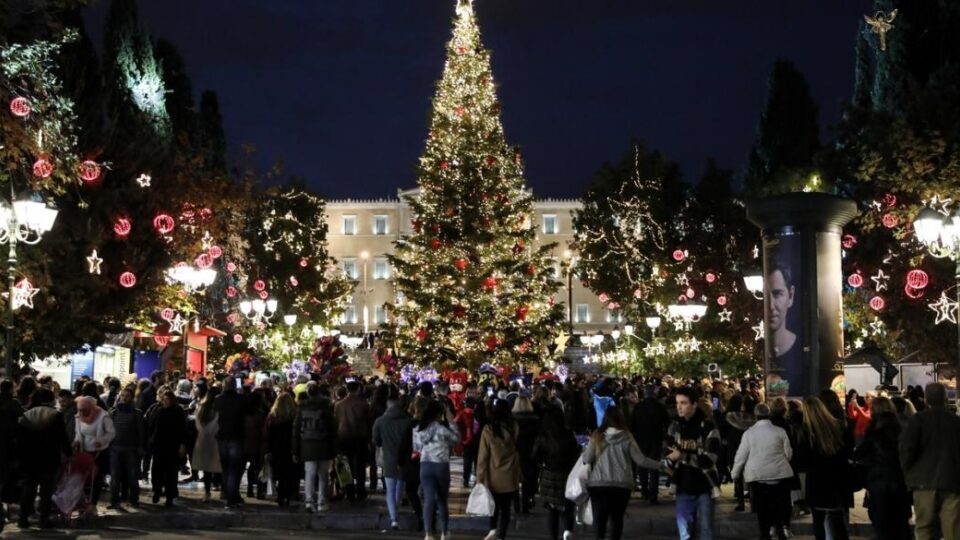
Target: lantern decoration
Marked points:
20	107
722	300
855	280
237	338
304	263
128	279
263	295
259	285
912	293
690	293
849	241
203	260
917	279
215	251
122	227
42	168
161	341
877	303
710	277
679	255
231	291
167	313
460	264
490	283
164	223
231	267
421	334
889	220
890	200
89	170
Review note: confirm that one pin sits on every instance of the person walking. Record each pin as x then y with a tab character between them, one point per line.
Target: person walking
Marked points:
392	434
353	437
694	447
740	421
498	464
763	462
314	445
556	451
528	424
94	433
167	444
231	409
42	445
888	501
253	441
126	449
930	455
649	425
279	447
10	413
206	455
433	439
824	456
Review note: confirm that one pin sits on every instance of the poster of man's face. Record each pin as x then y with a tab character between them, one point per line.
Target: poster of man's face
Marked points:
782	317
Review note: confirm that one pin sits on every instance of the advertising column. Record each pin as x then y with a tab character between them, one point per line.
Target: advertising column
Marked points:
803	311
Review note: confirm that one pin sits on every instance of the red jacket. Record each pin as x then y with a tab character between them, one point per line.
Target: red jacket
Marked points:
860	416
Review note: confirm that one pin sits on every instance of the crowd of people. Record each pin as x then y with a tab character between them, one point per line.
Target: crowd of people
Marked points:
316	443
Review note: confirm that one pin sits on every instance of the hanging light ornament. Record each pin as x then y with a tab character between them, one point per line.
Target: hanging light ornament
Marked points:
855	280
679	255
167	314
215	251
128	279
42	168
89	170
161	341
203	261
877	303
917	279
849	241
231	267
259	285
164	223
122	227
20	107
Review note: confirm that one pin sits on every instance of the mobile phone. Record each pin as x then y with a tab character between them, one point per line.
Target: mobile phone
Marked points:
489	392
239	383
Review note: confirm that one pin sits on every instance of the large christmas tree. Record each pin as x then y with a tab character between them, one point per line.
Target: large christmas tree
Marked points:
473	280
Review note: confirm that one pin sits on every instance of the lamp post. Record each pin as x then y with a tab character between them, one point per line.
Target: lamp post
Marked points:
941	236
26	220
259	311
365	256
571	260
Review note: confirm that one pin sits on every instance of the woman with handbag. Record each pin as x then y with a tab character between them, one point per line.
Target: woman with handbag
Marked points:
556	451
498	466
612	452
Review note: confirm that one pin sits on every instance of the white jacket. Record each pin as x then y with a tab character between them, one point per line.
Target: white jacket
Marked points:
764	454
100	431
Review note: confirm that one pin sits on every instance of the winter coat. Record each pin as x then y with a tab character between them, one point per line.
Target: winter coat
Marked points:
315	431
880	456
498	463
206	453
129	428
10	413
829	478
41	440
699	443
434	442
353	419
70	421
528	425
279	437
97	435
253	426
168	431
612	464
930	451
764	454
649	424
392	433
231	410
556	457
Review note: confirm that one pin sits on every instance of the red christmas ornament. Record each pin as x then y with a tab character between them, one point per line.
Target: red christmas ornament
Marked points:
215	252
449	212
421	334
164	223
492	343
263	295
444	165
890	200
459	311
459	112
435	244
231	291
203	261
679	255
461	50
460	264
237	338
304	262
128	279
522	313
532	269
231	267
518	248
849	241
161	341
917	279
890	221
20	107
205	214
491	161
490	283
877	303
710	277
122	226
259	285
855	280
417	225
89	170
42	168
603	297
912	293
167	314
722	300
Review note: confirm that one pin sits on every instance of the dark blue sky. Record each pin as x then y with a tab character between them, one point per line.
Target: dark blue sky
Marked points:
341	89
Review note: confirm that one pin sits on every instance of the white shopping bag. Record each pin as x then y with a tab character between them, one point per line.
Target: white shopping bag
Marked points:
576	488
481	501
585	513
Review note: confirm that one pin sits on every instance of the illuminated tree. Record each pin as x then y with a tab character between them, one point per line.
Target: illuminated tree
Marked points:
471	277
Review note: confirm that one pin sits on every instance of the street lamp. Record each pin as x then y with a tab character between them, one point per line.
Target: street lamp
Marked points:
364	256
259	311
571	260
26	220
688	312
191	278
941	236
653	322
753	280
290	319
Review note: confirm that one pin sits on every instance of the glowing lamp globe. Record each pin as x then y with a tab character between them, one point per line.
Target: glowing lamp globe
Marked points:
927	225
679	255
20	107
722	300
237	338
710	277
128	279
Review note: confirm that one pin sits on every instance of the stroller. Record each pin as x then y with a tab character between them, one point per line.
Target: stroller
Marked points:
71	496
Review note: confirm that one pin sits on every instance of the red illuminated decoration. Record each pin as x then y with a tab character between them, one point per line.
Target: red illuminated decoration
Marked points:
679	255
849	241
421	334
203	261
691	293
444	165
42	168
460	264
912	293
231	291
89	170
164	223
232	318
490	283
122	226
710	277
215	251
522	313
20	107
722	300
294	281
161	341
167	314
304	263
532	269
877	303
231	267
890	221
492	343
259	285
917	279
890	200
263	295
237	338
435	244
128	279
603	297
855	280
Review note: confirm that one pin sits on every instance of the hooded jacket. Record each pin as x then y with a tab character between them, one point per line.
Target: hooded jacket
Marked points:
315	431
930	451
434	443
393	433
613	462
41	439
498	462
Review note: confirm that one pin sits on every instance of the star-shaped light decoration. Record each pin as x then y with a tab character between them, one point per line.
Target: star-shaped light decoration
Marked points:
561	342
693	345
756	251
23	293
880	280
678	325
176	324
939	204
207	241
858	343
725	315
661	349
682	279
94	261
679	345
877	327
876	205
144	180
945	309
758	331
650	350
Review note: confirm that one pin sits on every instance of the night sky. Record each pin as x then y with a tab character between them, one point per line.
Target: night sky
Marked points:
340	89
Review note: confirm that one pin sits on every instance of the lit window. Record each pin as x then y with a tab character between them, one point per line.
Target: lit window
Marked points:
381	315
349	315
614	316
350	268
583	313
380	225
350	225
550	224
381	269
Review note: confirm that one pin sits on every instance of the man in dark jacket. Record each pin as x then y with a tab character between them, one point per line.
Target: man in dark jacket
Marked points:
392	434
41	444
125	449
353	437
694	444
68	408
649	426
10	413
930	455
231	410
314	445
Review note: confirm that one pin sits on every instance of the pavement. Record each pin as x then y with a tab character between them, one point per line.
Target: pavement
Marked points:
191	513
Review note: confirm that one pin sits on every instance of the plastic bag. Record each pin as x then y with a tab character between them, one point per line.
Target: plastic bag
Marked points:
585	513
481	501
343	474
69	493
266	472
576	488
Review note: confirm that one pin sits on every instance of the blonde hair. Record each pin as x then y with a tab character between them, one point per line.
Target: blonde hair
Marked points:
284	409
522	405
823	432
881	405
